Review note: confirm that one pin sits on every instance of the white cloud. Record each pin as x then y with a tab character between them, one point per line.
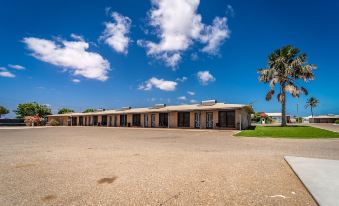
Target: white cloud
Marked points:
178	25
76	80
16	66
214	35
191	93
183	98
205	77
116	34
182	79
5	73
161	84
70	55
193	101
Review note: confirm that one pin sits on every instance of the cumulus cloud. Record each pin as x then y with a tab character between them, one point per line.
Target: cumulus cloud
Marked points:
16	66
178	25
193	101
214	35
183	98
116	33
5	73
161	84
182	79
205	77
70	55
191	93
76	80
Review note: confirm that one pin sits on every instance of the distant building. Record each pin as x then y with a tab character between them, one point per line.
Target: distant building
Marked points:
277	117
330	118
207	115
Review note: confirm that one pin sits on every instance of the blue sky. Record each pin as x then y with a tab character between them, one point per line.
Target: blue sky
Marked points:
109	54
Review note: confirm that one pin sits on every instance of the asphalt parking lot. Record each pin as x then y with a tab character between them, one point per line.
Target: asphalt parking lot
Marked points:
126	166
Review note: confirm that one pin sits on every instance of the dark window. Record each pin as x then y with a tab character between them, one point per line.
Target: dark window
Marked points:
123	120
136	120
183	119
74	121
227	119
163	119
110	121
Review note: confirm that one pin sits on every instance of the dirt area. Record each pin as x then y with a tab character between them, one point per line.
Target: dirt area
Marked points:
126	166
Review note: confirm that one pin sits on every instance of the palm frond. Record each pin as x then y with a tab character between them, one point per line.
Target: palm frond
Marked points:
269	95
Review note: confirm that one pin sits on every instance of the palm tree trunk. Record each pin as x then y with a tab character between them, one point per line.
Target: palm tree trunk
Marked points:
312	111
283	106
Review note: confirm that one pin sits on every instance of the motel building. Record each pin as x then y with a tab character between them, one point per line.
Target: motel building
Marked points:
207	115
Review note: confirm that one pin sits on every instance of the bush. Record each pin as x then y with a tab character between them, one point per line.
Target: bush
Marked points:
34	121
337	121
53	122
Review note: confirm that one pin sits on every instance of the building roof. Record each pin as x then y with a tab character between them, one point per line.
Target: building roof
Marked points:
326	116
188	107
275	114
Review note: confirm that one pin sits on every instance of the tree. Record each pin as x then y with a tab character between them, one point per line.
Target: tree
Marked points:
65	110
3	110
32	109
285	67
312	102
88	110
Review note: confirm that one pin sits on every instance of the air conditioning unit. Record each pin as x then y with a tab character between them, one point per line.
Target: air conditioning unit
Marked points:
125	108
157	106
208	102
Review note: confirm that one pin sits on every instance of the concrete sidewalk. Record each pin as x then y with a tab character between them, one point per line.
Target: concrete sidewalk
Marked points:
329	126
320	176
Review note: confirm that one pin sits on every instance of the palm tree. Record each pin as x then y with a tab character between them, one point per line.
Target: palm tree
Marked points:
285	67
312	102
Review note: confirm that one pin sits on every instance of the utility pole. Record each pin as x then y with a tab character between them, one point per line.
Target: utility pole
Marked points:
298	112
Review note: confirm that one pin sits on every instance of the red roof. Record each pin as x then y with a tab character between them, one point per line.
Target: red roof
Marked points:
263	115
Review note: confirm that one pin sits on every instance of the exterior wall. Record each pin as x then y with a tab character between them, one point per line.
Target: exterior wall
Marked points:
322	120
172	119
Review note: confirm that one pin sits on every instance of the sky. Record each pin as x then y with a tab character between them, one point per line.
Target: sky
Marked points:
115	53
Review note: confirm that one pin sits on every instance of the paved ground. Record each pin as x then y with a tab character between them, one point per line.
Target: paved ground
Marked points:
320	176
330	127
121	166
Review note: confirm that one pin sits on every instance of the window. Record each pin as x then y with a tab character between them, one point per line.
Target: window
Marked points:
227	119
136	120
183	119
163	119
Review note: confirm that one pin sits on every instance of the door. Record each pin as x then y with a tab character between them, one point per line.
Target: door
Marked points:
152	120
81	121
123	120
183	119
163	119
209	120
145	120
104	120
136	120
110	121
197	116
95	120
115	120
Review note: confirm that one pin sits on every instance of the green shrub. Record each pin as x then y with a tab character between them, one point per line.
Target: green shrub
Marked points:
53	122
337	121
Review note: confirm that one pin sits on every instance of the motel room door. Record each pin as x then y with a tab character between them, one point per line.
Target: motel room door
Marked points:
197	116
209	120
152	120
